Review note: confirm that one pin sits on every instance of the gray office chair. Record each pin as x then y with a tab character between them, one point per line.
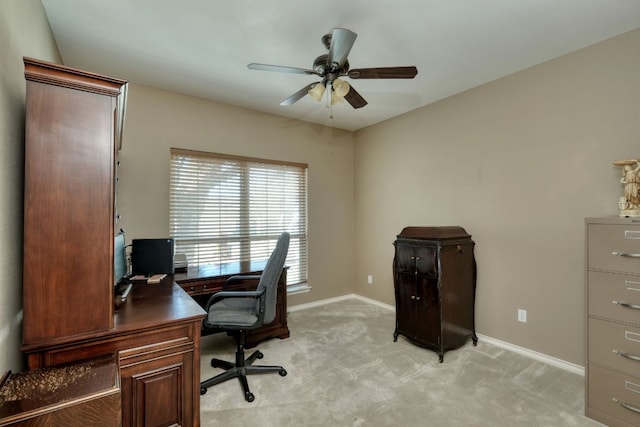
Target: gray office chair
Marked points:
239	311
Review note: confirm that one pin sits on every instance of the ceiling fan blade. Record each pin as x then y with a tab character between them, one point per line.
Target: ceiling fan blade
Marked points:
383	73
279	68
298	95
355	99
341	43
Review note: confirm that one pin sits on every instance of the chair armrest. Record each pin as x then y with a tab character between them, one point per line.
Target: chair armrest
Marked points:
233	294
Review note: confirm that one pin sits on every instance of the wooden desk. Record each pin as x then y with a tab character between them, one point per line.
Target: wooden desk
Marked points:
201	282
157	337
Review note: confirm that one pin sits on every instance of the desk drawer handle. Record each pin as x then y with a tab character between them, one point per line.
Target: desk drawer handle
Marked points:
627	305
627	406
625	254
627	355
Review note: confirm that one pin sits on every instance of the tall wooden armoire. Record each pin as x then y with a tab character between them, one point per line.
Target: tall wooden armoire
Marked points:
73	122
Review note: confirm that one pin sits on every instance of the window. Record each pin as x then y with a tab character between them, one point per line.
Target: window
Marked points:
228	209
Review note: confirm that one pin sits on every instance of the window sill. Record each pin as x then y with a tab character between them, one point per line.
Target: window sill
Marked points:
300	288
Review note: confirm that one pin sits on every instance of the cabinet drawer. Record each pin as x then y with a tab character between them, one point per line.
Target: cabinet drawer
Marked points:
606	385
615	345
614	247
605	288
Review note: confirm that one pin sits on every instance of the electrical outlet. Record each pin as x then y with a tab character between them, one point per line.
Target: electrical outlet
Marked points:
370	279
522	315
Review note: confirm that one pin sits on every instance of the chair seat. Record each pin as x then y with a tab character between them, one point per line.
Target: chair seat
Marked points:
239	312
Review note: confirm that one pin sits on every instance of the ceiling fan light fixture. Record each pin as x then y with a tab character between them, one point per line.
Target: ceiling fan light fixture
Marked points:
336	99
317	91
341	87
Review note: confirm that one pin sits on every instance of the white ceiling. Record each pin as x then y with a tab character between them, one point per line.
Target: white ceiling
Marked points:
202	47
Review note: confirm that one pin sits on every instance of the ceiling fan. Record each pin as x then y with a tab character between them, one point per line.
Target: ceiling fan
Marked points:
334	65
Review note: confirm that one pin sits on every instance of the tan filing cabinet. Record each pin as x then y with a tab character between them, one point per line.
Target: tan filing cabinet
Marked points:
612	394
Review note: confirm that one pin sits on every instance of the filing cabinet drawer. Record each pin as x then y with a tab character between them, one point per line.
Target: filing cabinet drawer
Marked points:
615	345
614	247
624	289
615	394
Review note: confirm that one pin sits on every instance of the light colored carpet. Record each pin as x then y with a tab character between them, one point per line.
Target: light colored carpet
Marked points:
345	370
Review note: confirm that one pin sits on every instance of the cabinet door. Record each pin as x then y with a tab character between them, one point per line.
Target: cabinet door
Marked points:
427	308
155	393
68	201
406	314
426	259
405	260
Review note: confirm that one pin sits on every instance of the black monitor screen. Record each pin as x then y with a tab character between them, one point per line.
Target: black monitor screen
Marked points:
119	258
152	256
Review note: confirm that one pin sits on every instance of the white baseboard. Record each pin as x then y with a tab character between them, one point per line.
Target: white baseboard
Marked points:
541	357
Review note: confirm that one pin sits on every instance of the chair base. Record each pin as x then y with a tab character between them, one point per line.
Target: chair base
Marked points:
240	370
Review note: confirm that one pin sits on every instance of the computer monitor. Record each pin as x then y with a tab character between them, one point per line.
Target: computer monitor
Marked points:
119	258
152	256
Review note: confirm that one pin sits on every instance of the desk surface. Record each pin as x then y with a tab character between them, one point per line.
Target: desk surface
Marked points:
148	306
220	270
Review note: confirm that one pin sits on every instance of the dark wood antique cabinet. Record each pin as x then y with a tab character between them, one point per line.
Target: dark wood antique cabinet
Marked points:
73	122
434	273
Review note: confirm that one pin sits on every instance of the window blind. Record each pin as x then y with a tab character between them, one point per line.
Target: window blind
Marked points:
228	209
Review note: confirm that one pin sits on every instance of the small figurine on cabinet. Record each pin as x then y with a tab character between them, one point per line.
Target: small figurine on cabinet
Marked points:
629	204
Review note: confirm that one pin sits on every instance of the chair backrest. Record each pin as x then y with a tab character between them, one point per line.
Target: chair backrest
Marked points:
271	275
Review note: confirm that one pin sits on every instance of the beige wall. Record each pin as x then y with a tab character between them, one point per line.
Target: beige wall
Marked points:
519	162
24	31
158	120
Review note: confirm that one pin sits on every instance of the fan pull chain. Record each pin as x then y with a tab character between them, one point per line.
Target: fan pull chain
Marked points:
329	105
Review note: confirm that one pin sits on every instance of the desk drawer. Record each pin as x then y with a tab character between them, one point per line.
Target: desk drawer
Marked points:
615	345
127	346
199	288
624	289
611	391
614	247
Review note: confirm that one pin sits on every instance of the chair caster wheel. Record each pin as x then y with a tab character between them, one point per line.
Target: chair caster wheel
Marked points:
282	373
214	363
249	397
203	390
259	355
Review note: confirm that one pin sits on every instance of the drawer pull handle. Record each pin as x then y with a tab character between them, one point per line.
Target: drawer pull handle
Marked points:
627	305
627	355
625	254
627	406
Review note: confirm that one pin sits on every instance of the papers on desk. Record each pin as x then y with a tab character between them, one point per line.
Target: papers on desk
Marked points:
156	278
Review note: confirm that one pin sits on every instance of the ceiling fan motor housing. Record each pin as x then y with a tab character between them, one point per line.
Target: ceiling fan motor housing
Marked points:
324	69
